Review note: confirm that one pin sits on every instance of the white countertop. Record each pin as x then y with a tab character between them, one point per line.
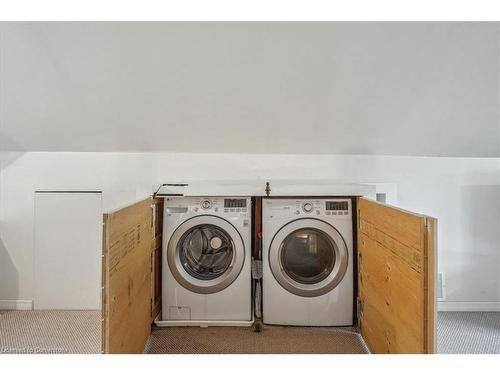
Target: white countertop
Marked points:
278	188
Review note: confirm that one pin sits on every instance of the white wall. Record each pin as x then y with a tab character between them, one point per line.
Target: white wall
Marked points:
463	193
67	263
399	88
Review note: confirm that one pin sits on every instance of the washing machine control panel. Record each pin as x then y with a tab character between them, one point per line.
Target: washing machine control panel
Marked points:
334	207
209	205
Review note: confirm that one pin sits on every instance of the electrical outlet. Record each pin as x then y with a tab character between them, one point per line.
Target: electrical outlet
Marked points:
441	287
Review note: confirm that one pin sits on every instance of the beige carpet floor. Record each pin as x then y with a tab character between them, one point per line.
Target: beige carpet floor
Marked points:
44	331
466	332
240	340
80	332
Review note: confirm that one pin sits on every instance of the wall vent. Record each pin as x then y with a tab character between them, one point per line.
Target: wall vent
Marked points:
381	197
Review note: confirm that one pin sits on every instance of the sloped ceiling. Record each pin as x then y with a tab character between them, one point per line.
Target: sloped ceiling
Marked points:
427	89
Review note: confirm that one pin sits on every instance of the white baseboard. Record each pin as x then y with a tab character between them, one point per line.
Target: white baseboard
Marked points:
16	304
468	306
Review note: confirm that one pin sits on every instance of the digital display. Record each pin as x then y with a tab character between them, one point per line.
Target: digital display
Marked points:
235	203
337	206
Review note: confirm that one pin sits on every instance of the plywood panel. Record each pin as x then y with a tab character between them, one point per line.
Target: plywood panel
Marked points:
156	257
127	243
430	283
394	278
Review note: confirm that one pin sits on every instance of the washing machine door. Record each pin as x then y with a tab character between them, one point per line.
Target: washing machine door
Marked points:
308	257
205	254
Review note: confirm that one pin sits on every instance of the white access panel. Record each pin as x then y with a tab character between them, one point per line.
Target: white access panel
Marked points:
68	241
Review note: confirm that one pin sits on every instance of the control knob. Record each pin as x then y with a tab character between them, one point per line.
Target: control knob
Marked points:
307	207
206	204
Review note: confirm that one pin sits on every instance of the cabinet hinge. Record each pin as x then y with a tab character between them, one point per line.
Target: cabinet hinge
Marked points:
359	304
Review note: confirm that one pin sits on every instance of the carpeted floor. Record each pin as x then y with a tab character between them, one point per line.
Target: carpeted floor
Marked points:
80	332
272	340
50	331
468	332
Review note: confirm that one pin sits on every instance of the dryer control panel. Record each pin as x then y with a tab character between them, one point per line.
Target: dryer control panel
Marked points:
334	207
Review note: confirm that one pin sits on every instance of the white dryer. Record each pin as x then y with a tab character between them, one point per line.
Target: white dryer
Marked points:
206	273
307	262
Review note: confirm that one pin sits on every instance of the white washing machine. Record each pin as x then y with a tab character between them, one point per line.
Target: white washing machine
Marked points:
206	273
307	262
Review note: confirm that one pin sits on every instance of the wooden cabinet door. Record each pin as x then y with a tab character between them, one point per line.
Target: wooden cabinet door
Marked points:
156	257
396	275
126	290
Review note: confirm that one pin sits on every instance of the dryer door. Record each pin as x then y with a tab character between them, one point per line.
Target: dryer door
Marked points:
205	254
308	257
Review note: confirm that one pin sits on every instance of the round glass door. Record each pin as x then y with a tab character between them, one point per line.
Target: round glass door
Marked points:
205	254
308	257
206	251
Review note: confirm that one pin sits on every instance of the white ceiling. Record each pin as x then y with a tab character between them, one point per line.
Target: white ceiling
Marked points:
427	89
